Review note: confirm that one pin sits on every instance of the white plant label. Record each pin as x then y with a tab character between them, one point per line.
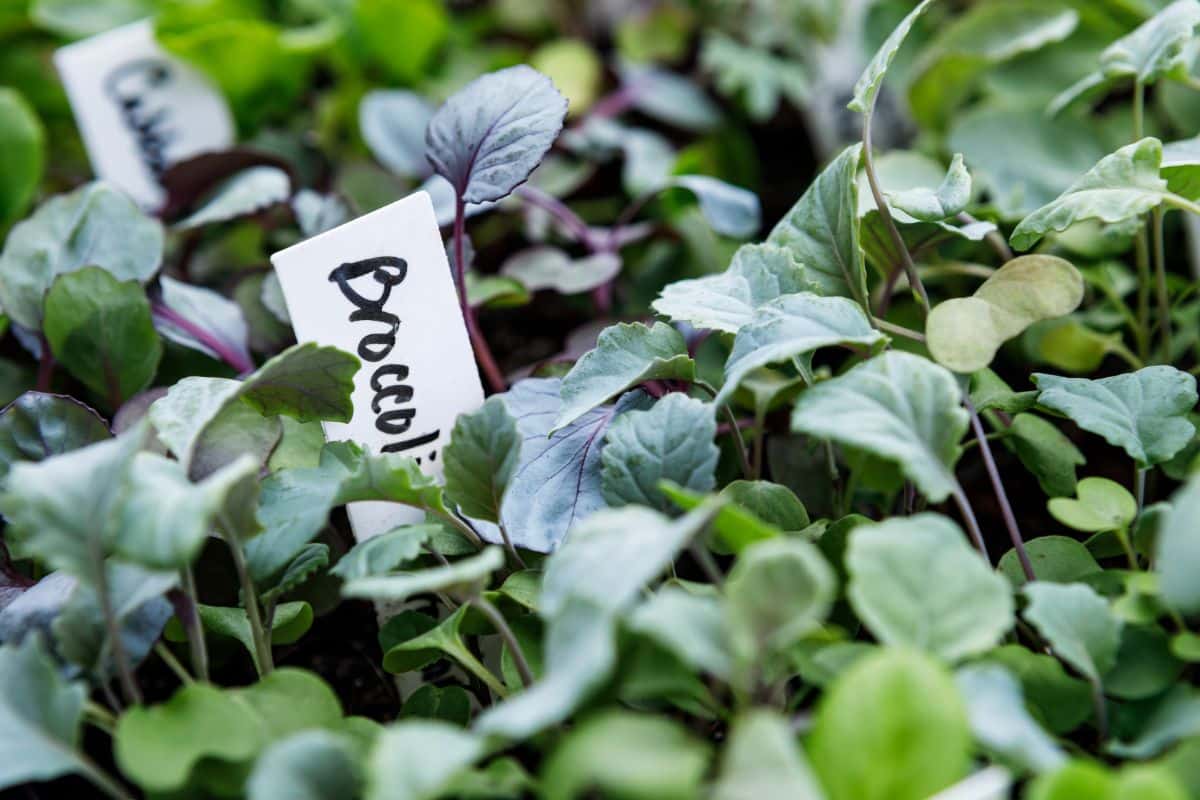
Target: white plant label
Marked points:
380	287
140	110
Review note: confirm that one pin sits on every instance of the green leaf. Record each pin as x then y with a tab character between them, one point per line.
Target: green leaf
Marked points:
467	574
545	267
628	755
185	307
931	205
416	759
400	36
94	226
866	89
1099	505
1175	716
763	760
22	154
1121	185
964	333
1045	451
291	621
79	18
999	721
758	274
792	326
692	626
730	210
915	581
1143	412
770	502
1156	48
755	75
392	123
821	230
892	727
1077	623
1059	701
1145	666
311	559
100	329
385	552
897	406
1055	559
673	440
251	191
490	134
626	354
37	425
1177	552
736	528
481	459
779	591
312	765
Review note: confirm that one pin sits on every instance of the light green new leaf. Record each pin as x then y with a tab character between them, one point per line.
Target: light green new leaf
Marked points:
758	274
892	727
1177	558
931	205
312	765
1099	505
1077	623
866	89
1156	48
1121	185
94	226
1181	167
40	717
481	458
629	755
468	573
1000	722
964	333
101	330
821	230
672	440
415	759
22	154
762	760
625	355
779	591
915	581
795	325
900	407
1144	412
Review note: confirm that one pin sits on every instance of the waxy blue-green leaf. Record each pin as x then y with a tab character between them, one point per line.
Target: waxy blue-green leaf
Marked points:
393	123
250	191
1156	48
416	759
672	440
927	204
670	98
545	267
690	625
384	553
758	274
756	76
625	355
481	459
311	765
900	407
763	759
730	210
1177	556
1143	412
1000	722
40	717
38	425
892	727
1077	623
821	230
96	225
466	574
1181	167
101	330
183	308
489	135
792	326
1121	185
964	333
866	89
915	581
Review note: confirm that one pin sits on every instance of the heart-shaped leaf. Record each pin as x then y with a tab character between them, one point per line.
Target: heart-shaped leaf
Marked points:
900	407
625	355
758	274
489	135
1099	505
964	333
94	226
673	440
792	326
1144	412
915	581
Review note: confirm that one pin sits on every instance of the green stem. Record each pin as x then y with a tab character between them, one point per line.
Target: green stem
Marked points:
735	430
1139	487
192	625
1160	283
1142	251
899	330
99	716
102	780
129	687
1123	537
757	445
263	659
164	652
463	528
506	633
471	664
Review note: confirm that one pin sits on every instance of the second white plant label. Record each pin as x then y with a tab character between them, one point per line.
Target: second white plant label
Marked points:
380	287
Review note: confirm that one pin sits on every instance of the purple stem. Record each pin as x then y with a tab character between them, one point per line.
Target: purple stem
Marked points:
226	353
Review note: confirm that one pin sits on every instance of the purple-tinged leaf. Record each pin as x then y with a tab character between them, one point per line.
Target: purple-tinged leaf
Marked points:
203	320
37	425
